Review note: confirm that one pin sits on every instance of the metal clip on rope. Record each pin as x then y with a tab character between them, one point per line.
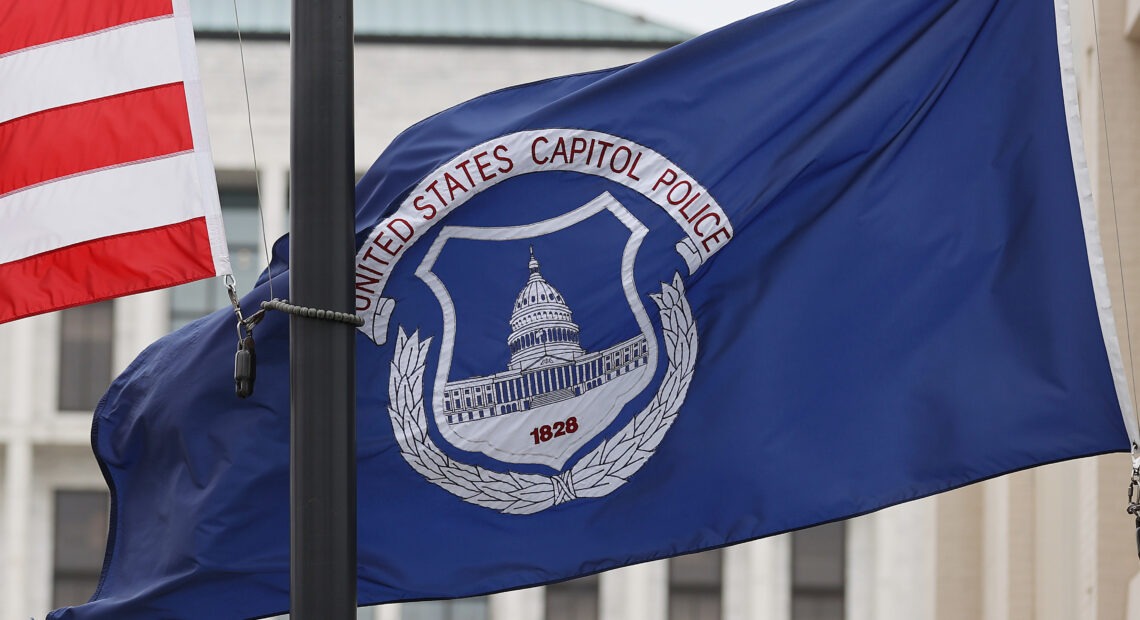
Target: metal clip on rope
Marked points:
245	360
1134	503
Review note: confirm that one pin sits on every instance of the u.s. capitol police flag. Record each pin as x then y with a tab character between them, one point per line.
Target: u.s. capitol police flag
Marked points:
825	260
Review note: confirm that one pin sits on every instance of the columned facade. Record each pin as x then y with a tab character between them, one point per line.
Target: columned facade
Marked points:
1052	543
45	453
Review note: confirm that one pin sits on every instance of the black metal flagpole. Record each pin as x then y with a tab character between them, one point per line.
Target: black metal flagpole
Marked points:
322	364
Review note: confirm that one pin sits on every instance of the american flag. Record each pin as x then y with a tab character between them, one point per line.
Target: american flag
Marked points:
107	186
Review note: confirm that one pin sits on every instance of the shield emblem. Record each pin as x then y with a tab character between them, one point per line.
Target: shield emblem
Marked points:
555	381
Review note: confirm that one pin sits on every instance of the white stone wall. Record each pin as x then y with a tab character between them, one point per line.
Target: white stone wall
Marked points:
43	449
396	86
1050	544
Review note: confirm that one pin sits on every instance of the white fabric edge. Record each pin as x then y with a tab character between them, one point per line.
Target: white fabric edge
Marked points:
199	130
146	195
76	70
1091	226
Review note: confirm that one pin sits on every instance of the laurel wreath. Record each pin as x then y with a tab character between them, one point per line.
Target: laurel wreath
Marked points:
600	472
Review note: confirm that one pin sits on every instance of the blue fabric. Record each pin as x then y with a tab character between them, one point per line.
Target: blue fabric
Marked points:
905	307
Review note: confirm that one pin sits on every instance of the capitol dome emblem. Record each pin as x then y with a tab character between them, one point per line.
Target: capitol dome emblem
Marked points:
557	365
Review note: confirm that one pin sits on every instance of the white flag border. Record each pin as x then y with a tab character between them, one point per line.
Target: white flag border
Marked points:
196	107
1091	225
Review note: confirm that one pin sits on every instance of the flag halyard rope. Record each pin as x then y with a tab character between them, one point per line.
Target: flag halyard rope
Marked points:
1103	126
253	149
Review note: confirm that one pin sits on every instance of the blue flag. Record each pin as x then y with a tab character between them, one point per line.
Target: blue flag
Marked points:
831	258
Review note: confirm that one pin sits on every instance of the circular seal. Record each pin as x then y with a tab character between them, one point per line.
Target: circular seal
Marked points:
566	393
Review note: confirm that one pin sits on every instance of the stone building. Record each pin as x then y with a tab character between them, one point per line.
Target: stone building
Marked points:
547	364
413	59
1051	543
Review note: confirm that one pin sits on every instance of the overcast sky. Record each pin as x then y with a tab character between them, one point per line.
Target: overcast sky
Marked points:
693	15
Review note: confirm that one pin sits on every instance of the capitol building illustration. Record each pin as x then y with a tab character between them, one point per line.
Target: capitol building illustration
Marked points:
547	366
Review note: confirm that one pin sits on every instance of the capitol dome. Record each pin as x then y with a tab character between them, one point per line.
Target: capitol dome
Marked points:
542	326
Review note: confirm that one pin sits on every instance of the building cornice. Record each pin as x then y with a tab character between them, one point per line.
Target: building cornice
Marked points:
209	35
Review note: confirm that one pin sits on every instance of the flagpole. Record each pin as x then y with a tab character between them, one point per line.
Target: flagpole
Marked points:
322	365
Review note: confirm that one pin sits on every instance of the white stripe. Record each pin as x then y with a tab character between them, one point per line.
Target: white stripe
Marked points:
1091	228
77	209
196	106
114	61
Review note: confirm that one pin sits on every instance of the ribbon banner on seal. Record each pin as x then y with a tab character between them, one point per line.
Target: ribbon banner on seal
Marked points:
705	225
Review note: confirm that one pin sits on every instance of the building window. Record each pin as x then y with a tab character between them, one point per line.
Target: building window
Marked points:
459	609
243	234
576	599
85	337
695	586
81	519
818	573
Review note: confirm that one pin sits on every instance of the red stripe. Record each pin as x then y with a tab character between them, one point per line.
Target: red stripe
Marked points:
94	134
105	268
25	23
